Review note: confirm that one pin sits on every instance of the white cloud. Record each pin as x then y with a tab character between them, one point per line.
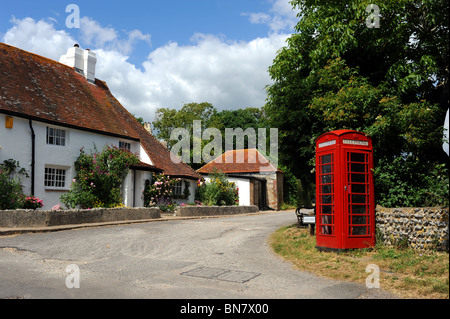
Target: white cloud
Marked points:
93	34
228	75
134	36
211	69
281	18
39	37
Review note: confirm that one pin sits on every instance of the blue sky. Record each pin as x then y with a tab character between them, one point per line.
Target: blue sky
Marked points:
162	53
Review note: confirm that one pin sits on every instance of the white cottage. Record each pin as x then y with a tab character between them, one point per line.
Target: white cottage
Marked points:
50	110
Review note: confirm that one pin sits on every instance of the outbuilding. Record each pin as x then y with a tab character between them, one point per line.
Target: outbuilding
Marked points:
260	182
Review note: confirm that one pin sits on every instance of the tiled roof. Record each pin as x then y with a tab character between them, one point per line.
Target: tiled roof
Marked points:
146	167
239	161
160	156
38	88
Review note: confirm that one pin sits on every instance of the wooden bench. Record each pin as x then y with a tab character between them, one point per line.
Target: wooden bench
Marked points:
306	219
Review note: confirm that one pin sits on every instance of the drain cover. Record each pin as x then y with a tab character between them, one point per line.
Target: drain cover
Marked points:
221	274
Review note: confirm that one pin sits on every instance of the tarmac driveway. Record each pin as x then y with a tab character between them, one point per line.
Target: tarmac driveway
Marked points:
220	258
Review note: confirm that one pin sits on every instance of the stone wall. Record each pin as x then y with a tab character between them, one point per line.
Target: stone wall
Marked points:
191	211
48	218
419	228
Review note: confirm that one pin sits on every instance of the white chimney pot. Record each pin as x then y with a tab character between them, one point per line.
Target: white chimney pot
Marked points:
90	60
73	58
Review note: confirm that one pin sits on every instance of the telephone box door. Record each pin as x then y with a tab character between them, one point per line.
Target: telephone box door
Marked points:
359	226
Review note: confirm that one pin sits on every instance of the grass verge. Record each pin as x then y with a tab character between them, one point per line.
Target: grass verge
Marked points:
403	271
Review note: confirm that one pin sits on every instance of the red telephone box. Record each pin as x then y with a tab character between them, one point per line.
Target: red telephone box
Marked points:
345	201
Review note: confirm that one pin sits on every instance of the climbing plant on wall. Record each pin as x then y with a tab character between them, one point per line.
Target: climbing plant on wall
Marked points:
99	177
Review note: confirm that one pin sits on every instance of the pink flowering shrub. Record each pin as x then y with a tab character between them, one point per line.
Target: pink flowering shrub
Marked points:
161	192
31	202
57	207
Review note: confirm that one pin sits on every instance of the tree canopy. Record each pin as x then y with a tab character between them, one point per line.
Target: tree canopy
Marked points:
391	82
170	119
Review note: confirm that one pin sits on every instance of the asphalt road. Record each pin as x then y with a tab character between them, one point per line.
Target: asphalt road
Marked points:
220	258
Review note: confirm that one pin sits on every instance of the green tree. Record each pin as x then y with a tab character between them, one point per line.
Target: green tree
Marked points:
390	82
169	119
250	117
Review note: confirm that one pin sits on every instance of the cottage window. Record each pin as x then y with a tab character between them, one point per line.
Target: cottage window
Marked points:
177	188
124	146
55	177
56	136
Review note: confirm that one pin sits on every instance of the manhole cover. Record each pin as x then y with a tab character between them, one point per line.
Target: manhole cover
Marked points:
222	274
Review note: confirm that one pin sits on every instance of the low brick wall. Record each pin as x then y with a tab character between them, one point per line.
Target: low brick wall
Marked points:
419	228
47	218
191	211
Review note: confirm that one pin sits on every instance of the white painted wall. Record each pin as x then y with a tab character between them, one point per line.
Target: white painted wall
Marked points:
192	190
16	144
244	188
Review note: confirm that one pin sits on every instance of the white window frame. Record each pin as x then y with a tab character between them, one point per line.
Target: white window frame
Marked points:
125	145
58	138
55	177
177	188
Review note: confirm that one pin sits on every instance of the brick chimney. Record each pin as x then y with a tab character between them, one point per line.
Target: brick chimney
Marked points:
83	61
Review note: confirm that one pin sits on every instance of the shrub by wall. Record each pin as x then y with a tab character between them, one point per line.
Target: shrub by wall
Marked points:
418	228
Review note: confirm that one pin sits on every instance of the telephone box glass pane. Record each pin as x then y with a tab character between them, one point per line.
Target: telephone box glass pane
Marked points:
327	219
358	220
358	168
326	169
359	188
327	179
327	209
358	199
327	199
327	189
357	157
358	178
326	159
326	230
359	209
358	230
